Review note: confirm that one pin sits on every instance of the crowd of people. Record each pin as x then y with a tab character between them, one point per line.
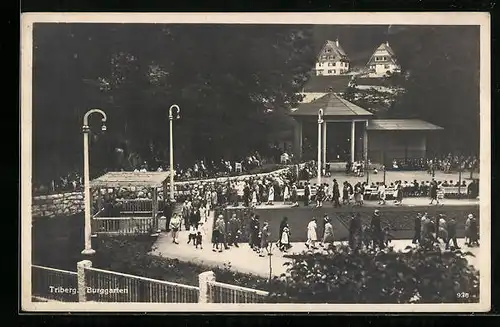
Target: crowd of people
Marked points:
428	231
446	163
70	182
284	188
212	169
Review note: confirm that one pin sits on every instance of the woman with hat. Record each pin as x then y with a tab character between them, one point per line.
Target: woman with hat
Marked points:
174	226
312	235
286	194
328	233
265	234
471	232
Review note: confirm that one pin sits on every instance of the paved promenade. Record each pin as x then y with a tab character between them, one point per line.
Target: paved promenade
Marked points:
407	202
245	260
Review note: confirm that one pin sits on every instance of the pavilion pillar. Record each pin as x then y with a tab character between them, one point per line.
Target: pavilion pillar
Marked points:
365	144
324	145
154	211
353	140
298	140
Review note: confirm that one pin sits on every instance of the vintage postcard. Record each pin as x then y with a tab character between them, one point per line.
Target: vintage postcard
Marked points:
333	162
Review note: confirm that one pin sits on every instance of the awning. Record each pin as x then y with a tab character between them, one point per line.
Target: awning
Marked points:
130	179
401	125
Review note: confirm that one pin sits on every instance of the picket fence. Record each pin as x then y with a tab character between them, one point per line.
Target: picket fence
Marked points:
89	284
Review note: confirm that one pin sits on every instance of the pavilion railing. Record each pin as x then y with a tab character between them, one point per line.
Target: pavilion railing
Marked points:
123	225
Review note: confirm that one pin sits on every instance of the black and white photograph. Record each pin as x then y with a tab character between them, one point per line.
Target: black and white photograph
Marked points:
251	162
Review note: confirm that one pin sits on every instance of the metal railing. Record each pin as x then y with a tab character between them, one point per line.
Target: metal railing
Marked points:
54	284
226	293
107	286
122	225
137	205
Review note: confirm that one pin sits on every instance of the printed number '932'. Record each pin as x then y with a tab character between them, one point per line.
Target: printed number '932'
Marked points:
462	295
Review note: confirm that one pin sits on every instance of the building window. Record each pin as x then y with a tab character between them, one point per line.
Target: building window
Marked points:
320	72
334	71
323	57
329	71
386	66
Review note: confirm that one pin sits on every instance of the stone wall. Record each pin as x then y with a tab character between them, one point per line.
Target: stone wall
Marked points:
63	204
66	204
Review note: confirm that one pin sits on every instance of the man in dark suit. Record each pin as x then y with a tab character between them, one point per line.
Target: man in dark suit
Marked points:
354	231
167	212
307	194
336	194
452	233
246	195
417	228
376	229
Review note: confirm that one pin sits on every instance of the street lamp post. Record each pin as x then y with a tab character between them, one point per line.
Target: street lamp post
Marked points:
269	249
383	168
460	169
171	118
86	129
320	122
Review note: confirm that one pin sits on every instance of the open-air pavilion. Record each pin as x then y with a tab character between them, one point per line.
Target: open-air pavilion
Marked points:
138	212
351	133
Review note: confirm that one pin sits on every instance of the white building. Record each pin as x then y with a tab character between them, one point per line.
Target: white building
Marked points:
383	60
332	60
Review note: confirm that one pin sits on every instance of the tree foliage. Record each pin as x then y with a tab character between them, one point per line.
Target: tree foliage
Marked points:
225	79
412	276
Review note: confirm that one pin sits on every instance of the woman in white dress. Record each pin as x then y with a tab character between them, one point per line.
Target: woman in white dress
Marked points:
381	193
312	235
286	194
285	239
270	197
203	213
254	198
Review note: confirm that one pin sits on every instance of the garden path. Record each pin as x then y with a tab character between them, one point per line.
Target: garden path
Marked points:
244	259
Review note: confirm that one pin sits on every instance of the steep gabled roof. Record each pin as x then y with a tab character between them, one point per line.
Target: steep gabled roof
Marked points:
335	49
383	50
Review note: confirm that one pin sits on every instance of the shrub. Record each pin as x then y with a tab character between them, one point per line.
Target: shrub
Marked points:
410	276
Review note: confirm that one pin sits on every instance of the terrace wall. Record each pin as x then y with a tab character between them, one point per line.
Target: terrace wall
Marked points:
57	204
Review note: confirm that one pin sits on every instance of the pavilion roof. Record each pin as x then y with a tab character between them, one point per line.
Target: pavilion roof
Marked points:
401	124
129	179
333	106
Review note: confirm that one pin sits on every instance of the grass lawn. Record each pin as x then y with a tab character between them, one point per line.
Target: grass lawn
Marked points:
57	243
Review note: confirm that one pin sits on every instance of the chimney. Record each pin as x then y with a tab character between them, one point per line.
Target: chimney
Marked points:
337	42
